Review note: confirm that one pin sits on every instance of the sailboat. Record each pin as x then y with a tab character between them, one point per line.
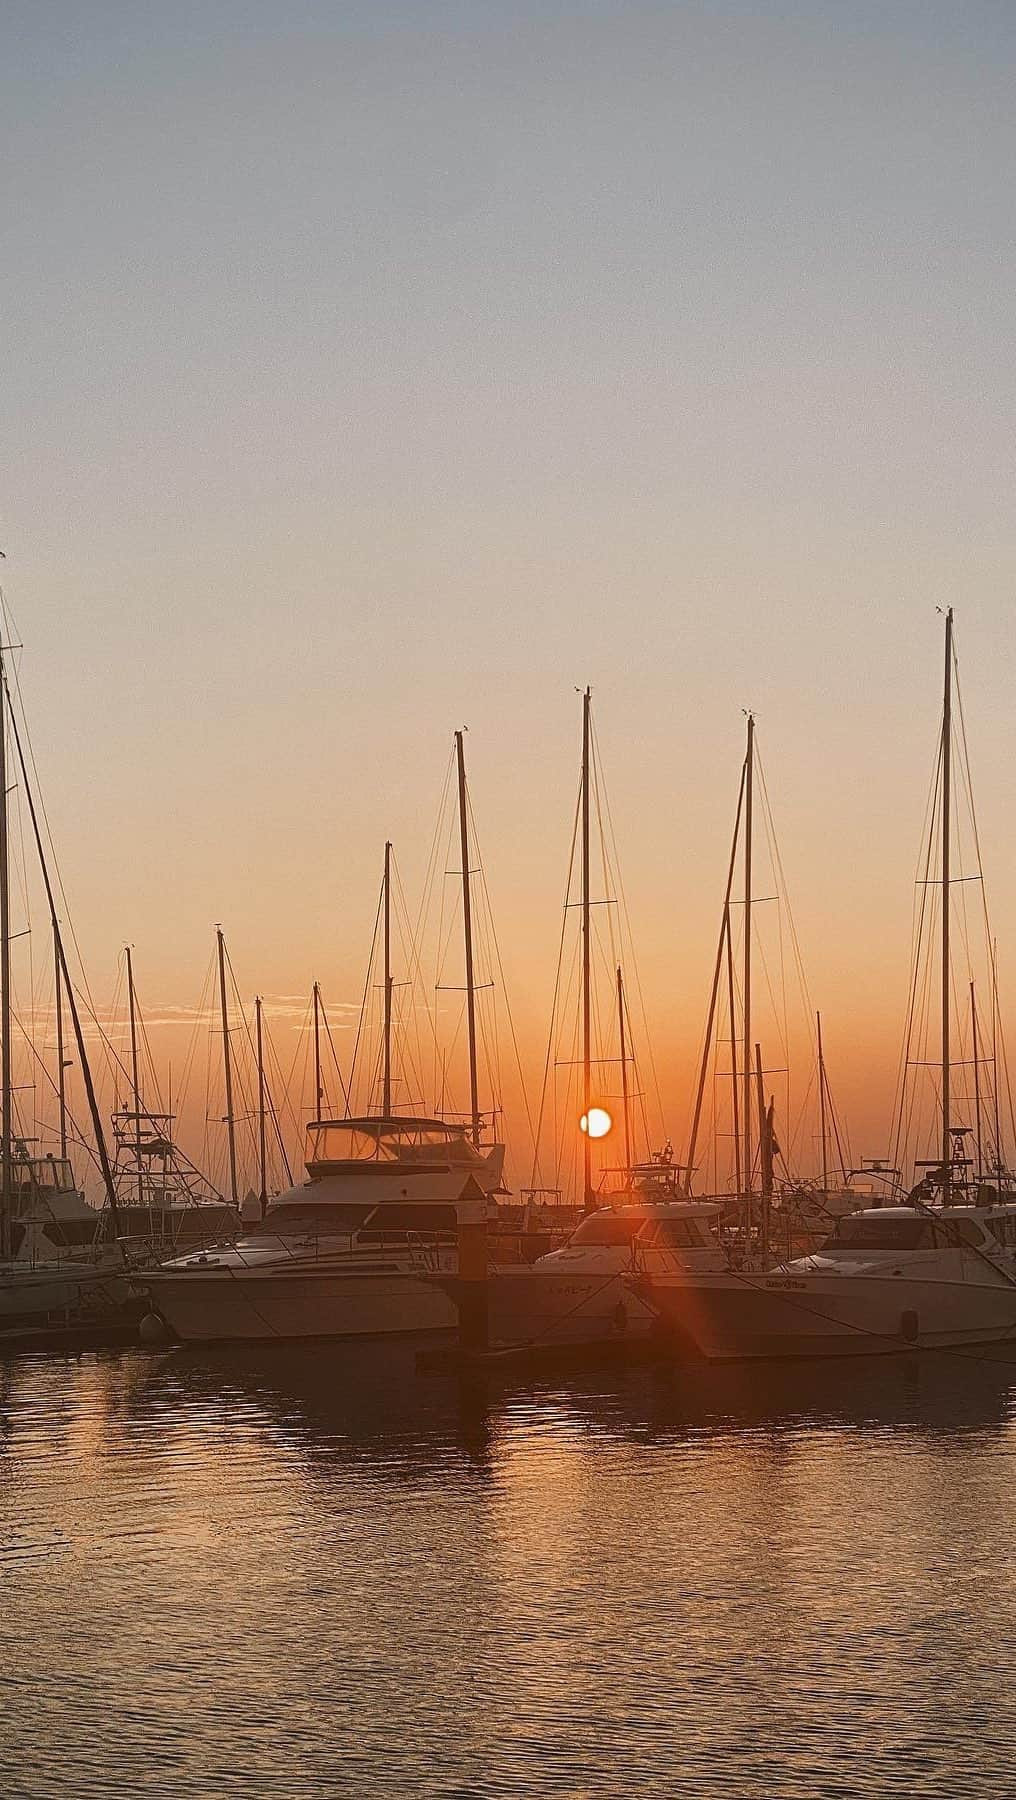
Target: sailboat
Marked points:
936	1272
60	1261
353	1250
761	1205
637	1215
164	1201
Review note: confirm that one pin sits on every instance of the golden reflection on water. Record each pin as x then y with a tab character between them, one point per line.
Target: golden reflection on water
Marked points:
312	1572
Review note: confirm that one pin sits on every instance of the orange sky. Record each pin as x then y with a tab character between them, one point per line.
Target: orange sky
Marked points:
367	381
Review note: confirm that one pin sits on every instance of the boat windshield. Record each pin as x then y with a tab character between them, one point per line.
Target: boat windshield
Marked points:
867	1231
677	1233
604	1230
42	1172
385	1141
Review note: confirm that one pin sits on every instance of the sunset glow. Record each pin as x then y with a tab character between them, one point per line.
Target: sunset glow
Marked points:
597	1122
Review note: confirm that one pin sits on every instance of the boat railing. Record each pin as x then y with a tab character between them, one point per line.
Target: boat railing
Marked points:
422	1249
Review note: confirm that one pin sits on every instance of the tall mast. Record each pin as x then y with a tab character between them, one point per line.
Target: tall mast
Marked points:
765	1147
227	1063
736	1120
822	1106
134	1078
977	1085
994	1060
6	1146
749	769
386	1089
61	1063
262	1160
946	825
467	929
704	1066
587	1182
624	1069
79	1036
317	1049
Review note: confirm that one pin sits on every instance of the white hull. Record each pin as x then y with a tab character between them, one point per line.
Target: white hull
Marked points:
784	1314
290	1301
33	1295
548	1306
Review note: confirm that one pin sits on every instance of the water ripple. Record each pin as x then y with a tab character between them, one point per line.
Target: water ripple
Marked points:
300	1574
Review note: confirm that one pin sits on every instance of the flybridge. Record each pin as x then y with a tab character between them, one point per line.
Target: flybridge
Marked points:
387	1140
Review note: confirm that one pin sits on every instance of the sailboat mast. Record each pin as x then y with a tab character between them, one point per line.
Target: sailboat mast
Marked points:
994	1060
386	1090
227	1064
79	1037
467	931
822	1106
977	1084
131	1012
749	770
946	827
6	1145
317	1050
61	1063
704	1066
262	1158
624	1069
587	1181
736	1104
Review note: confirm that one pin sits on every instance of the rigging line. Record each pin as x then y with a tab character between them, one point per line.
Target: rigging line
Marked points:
568	1094
143	1109
795	1126
445	929
900	1120
442	857
708	1042
23	883
412	1053
779	872
76	1130
554	1005
965	769
430	873
148	1070
245	1073
275	1066
197	1034
910	1126
782	906
272	1110
636	1074
104	1040
487	911
632	959
331	1045
918	922
41	808
415	985
366	990
1008	1085
413	951
290	1083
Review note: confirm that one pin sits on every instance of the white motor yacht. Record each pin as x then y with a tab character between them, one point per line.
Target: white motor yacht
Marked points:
581	1292
352	1251
59	1266
886	1279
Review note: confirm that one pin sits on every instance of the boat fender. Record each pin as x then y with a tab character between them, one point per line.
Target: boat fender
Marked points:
620	1316
152	1329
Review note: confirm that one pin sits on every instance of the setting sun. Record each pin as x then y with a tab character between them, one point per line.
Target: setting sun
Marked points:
597	1122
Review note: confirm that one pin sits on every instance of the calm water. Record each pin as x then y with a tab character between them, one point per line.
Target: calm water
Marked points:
314	1573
